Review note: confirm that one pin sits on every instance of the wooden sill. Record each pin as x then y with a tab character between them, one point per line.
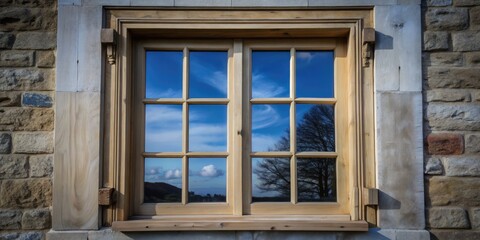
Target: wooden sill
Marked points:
203	223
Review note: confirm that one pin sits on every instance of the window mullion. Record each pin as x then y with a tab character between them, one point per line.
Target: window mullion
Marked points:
185	126
293	141
236	115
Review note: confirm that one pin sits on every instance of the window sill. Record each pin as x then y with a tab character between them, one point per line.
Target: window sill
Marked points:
230	223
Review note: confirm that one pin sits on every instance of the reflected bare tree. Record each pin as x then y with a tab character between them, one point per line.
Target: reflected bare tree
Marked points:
316	179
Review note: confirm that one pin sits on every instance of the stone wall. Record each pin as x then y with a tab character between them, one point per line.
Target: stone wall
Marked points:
27	84
452	117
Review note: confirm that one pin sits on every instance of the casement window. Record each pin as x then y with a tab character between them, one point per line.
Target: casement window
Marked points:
237	125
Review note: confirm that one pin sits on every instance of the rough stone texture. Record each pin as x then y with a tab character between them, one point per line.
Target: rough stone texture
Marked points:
475	17
5	143
35	142
28	193
6	40
473	58
448	95
434	167
22	236
10	99
16	58
35	40
461	77
26	79
453	191
41	165
438	3
472	143
444	59
13	166
453	116
448	217
475	216
445	143
45	59
435	41
466	41
36	219
464	3
462	166
26	119
37	100
441	19
454	234
10	219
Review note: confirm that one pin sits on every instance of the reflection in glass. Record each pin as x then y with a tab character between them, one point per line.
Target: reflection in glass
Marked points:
206	180
164	74
270	74
270	127
316	180
208	128
208	74
270	179
314	72
163	180
163	128
315	128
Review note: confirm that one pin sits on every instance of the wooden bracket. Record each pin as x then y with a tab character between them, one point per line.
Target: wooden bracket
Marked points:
370	196
368	36
109	39
105	196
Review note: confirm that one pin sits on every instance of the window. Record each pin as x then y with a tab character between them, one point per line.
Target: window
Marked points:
263	131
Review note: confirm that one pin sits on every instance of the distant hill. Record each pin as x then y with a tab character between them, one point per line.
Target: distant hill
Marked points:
158	192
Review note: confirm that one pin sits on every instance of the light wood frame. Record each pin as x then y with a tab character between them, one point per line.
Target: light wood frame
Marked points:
192	23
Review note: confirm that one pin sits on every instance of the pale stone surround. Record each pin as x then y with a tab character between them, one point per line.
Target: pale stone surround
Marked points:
398	95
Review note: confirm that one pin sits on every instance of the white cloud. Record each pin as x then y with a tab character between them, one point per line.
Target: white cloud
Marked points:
264	116
264	88
173	174
210	171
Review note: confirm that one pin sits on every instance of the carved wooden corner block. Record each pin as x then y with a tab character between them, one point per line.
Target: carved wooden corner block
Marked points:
109	39
105	196
368	36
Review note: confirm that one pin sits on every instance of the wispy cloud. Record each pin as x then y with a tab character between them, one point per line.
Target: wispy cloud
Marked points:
307	56
264	88
264	116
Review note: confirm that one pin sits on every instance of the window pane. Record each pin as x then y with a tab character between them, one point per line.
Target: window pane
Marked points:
207	181
164	74
314	74
208	128
208	74
270	179
163	128
315	128
270	127
316	180
270	74
163	180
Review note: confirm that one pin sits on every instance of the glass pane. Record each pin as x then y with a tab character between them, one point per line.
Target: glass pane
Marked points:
208	74
164	74
208	128
270	179
270	127
316	180
163	180
270	74
315	128
207	180
314	74
163	128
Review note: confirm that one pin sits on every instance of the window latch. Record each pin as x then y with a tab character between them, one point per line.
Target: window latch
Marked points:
106	196
370	196
368	36
109	39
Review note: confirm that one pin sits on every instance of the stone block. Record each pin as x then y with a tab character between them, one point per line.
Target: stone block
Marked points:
434	166
10	99
476	95
16	58
466	41
442	19
26	79
438	3
475	216
22	236
453	116
26	193
464	3
448	95
45	59
435	40
37	3
13	166
459	77
448	217
20	18
10	219
453	191
26	119
6	40
41	165
35	40
451	234
445	144
462	166
472	59
475	17
33	142
472	143
36	219
5	143
444	59
37	100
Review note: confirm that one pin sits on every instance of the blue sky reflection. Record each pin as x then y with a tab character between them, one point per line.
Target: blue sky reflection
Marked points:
207	176
208	128
314	74
208	74
163	128
270	74
164	74
270	122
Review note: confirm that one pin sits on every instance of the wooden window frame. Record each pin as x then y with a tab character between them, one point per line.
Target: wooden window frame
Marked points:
132	25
